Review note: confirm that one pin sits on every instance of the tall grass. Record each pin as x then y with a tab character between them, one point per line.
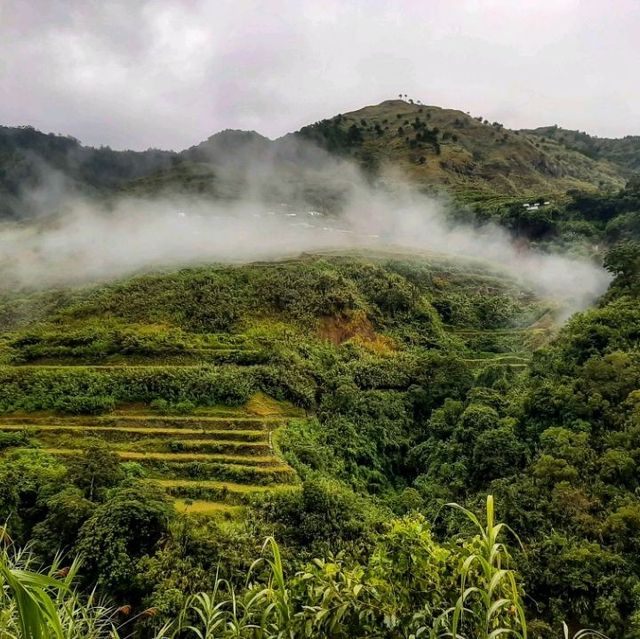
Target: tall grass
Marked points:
329	599
479	606
45	605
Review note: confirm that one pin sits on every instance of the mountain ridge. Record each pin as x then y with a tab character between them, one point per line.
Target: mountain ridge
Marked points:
432	147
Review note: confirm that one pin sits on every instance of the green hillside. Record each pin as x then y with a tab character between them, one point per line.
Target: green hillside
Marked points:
449	148
40	170
434	148
173	372
342	405
336	402
623	152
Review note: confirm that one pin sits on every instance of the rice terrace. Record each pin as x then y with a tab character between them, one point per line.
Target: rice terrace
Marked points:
210	462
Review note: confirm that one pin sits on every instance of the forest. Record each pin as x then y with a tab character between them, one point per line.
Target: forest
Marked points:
365	444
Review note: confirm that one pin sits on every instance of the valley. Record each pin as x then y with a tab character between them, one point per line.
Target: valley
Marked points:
93	353
291	396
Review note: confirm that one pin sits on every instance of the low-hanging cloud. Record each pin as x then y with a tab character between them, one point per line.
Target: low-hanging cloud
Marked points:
88	240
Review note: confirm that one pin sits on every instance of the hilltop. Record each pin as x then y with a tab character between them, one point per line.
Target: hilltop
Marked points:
434	148
448	148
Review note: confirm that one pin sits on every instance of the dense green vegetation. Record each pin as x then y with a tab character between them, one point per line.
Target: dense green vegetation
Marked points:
156	430
467	155
161	427
205	388
579	222
409	586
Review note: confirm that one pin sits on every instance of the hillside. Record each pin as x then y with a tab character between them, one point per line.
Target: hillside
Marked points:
38	171
174	372
623	152
336	403
434	148
445	147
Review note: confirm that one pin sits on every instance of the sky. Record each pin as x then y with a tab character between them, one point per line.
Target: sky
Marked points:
170	73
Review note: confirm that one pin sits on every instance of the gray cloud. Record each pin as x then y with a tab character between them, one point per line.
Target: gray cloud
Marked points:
168	73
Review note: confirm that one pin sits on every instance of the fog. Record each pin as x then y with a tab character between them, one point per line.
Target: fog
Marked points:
86	240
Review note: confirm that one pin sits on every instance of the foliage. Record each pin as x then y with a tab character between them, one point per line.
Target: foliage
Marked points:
404	402
125	528
409	586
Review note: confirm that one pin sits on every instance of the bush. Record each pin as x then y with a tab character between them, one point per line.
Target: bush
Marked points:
85	404
9	440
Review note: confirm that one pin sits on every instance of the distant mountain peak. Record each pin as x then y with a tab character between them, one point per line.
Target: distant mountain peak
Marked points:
220	146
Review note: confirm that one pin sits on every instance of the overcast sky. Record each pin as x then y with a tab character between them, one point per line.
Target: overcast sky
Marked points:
169	73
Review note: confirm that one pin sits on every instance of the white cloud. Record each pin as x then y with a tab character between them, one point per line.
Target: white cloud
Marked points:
169	73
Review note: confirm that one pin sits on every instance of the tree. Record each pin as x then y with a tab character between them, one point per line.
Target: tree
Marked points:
67	512
122	530
623	261
96	468
475	420
496	453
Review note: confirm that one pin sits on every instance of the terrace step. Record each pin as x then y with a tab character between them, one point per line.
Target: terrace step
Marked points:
236	473
227	423
206	508
211	446
134	433
161	421
229	486
245	460
219	491
147	444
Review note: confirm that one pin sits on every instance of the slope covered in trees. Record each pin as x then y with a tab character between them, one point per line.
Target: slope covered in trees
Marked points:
625	152
397	384
38	171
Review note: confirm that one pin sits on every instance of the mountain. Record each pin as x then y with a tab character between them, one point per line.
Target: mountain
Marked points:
161	426
449	148
434	148
623	152
230	146
36	165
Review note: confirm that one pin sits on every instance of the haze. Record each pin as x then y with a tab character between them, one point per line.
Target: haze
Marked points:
88	240
170	73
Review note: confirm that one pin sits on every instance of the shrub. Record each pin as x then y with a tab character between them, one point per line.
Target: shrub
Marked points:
85	404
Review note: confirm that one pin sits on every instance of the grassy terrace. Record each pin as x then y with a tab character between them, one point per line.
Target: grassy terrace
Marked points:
210	463
114	433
